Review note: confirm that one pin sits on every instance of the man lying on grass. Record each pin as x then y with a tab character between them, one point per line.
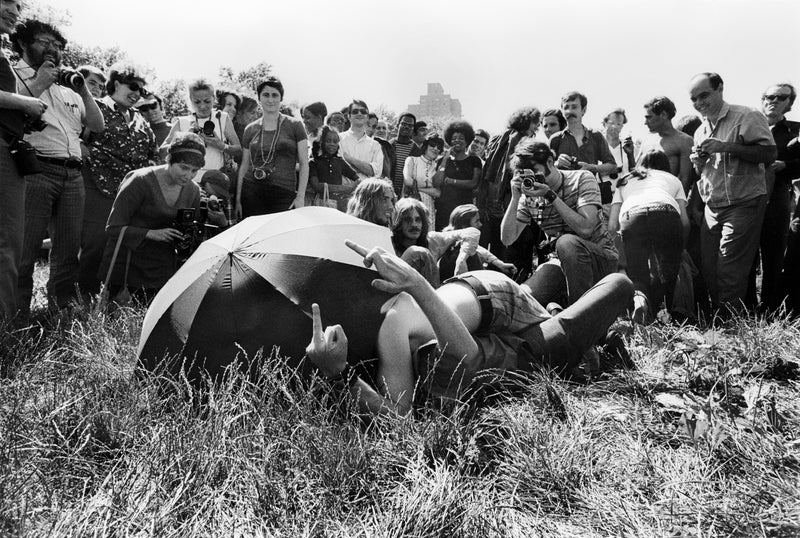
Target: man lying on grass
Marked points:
477	321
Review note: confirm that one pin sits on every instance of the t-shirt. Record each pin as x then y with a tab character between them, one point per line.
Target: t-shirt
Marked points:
453	196
11	121
657	188
577	189
258	141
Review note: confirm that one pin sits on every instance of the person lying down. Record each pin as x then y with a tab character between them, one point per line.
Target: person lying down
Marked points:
477	321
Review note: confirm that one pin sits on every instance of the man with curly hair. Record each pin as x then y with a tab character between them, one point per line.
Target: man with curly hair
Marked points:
54	198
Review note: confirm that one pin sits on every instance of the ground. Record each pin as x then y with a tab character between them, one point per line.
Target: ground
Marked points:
700	440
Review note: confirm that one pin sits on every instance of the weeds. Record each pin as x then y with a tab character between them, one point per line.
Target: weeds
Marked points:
701	439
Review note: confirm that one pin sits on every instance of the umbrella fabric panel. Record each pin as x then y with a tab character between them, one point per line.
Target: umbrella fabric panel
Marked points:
264	300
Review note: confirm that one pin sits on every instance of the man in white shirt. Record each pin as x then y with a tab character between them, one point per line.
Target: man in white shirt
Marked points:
360	150
54	197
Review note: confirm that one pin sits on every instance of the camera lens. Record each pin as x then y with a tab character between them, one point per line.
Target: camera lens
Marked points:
527	183
208	128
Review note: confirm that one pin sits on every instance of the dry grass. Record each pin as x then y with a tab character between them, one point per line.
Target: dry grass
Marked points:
701	440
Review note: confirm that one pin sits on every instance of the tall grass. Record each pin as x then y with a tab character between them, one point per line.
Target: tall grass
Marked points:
700	440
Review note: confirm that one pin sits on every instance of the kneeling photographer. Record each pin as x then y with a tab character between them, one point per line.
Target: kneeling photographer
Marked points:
155	222
54	191
566	205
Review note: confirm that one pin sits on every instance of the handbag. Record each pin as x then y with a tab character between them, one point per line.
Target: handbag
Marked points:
325	200
412	192
123	297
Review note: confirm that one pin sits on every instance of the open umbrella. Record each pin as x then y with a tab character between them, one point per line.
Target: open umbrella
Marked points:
252	287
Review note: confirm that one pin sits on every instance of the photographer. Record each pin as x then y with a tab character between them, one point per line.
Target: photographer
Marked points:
566	206
14	109
150	203
54	197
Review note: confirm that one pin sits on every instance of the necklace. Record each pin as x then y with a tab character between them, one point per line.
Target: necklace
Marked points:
268	161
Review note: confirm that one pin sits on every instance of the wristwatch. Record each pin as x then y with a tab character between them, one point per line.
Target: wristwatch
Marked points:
550	196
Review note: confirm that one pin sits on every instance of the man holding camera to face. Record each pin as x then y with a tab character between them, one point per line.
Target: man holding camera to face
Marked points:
54	196
14	110
566	206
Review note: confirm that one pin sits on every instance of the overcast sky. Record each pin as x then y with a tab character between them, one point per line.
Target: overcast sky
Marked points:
493	56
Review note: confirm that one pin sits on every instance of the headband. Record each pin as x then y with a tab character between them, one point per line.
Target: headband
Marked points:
186	150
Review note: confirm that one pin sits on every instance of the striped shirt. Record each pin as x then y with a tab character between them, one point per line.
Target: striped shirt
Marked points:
577	189
401	153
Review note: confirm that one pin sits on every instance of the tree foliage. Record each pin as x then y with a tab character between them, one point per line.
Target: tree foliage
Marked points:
173	93
244	81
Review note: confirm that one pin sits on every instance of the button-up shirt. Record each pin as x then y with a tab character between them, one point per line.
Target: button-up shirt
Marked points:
364	149
127	144
725	179
593	149
64	117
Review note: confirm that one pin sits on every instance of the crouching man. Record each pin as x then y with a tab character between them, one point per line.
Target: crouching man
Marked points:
477	323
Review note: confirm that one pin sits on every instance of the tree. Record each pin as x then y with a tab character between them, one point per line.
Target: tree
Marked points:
173	93
386	114
58	17
246	80
76	54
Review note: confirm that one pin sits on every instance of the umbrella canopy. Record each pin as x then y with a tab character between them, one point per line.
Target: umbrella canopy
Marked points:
252	287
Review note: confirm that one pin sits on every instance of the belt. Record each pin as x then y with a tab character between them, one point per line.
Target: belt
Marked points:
73	163
482	295
652	208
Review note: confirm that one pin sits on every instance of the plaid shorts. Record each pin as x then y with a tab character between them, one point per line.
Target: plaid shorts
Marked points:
505	306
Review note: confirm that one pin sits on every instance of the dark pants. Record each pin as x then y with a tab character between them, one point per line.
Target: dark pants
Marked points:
774	237
563	339
93	238
657	233
12	220
790	281
53	205
520	252
260	198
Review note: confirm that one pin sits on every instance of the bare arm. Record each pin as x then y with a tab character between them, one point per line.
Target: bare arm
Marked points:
613	218
302	182
94	120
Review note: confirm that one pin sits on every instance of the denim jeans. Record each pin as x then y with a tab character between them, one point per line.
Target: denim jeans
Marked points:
653	233
729	239
12	219
53	204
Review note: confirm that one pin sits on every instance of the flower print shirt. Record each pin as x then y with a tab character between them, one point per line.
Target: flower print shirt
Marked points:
127	144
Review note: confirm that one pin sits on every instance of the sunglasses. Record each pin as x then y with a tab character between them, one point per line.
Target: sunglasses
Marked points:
776	97
359	111
147	108
136	87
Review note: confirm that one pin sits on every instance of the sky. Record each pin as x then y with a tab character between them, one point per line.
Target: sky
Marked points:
494	56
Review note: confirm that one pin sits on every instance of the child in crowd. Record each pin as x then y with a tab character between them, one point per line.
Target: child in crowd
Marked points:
327	167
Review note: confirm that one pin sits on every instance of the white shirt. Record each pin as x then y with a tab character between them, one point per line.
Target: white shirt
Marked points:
64	117
657	188
364	149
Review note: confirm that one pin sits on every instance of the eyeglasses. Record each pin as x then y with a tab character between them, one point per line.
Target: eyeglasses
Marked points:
136	87
406	124
57	45
776	97
359	111
147	108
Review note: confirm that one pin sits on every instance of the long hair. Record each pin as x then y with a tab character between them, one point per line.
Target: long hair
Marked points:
365	200
404	210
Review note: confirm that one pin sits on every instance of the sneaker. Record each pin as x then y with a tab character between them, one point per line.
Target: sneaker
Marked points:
641	309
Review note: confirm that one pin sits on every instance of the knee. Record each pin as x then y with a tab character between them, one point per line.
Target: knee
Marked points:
567	246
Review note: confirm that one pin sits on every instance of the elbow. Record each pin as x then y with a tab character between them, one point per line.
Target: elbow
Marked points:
771	155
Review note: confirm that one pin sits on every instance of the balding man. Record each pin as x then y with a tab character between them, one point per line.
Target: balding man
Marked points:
732	147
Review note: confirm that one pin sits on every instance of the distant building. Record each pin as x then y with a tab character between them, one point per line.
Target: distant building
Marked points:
436	104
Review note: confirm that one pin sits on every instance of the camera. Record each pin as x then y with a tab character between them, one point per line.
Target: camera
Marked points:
192	233
24	156
212	203
70	78
528	181
207	129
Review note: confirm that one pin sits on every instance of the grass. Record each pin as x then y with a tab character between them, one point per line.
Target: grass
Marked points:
700	440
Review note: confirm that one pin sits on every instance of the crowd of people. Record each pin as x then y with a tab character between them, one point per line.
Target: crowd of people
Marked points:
692	213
